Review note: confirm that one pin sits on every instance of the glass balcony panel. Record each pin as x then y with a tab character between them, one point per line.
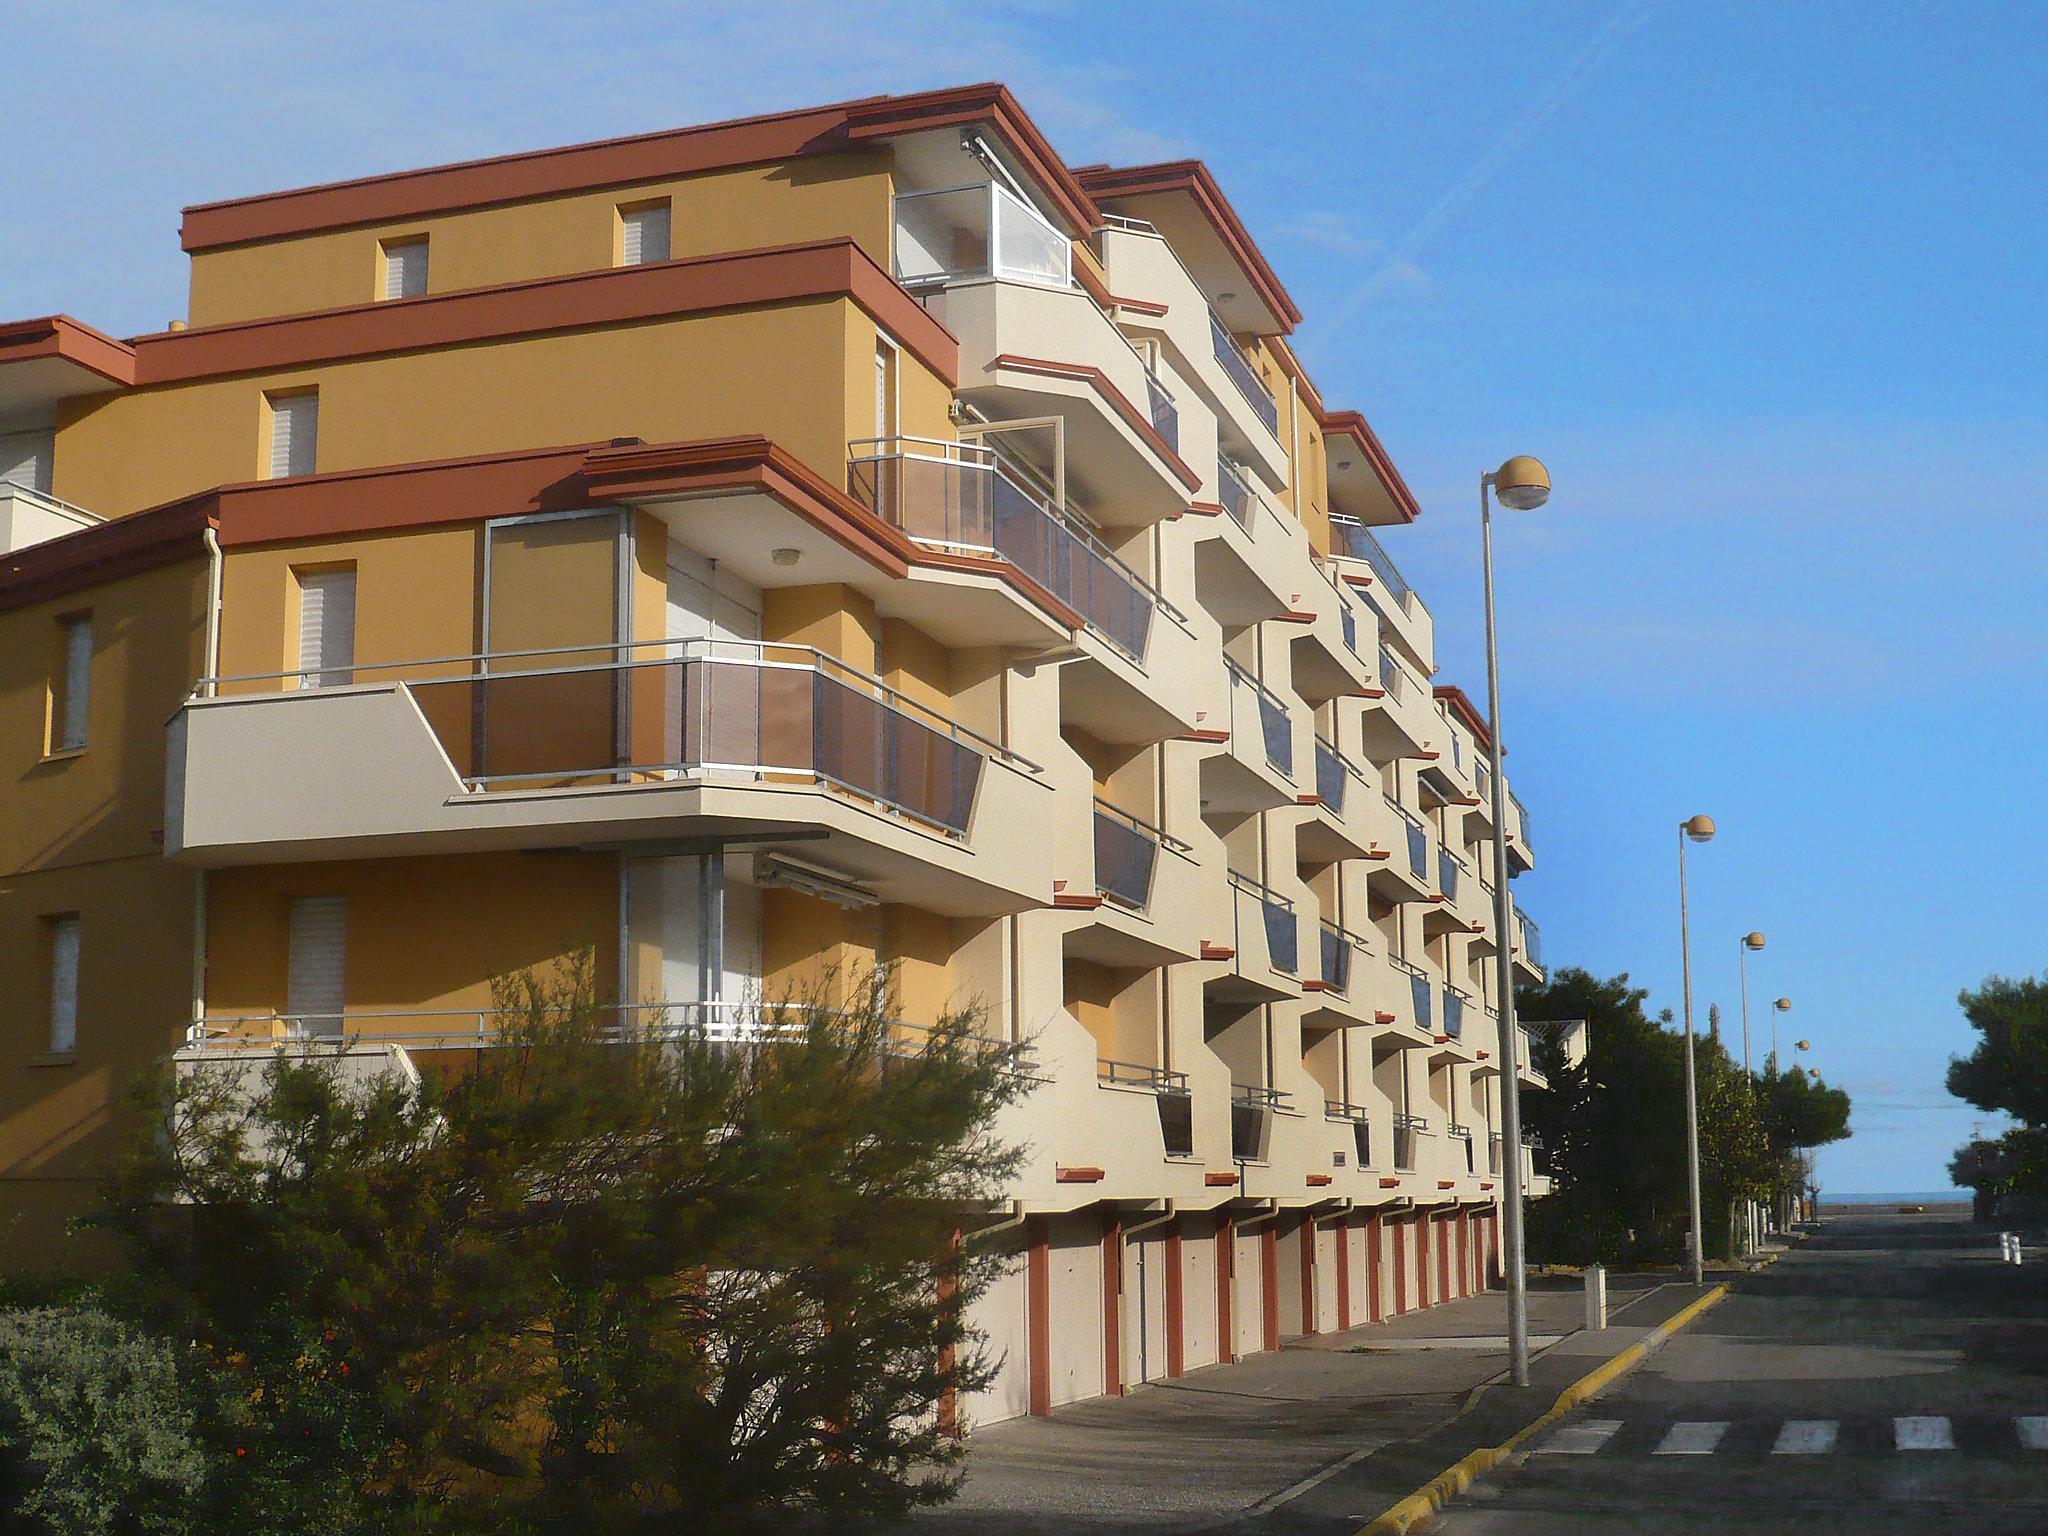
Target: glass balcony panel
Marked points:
1418	991
1028	248
1418	852
1125	857
1454	1014
1165	415
978	231
1236	496
1336	959
1447	874
687	714
1330	776
1243	375
1283	943
1355	541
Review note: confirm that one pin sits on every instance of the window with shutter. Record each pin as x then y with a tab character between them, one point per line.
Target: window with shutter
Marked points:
643	234
63	941
71	695
317	963
25	459
405	269
294	433
327	628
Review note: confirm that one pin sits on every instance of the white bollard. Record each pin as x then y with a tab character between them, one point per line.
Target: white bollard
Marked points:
2016	1248
1596	1296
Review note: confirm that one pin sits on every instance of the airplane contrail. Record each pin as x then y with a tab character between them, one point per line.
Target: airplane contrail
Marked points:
1504	148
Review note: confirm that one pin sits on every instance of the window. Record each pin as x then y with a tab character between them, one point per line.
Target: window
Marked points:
71	688
405	268
316	964
643	234
25	459
294	433
61	935
327	627
885	387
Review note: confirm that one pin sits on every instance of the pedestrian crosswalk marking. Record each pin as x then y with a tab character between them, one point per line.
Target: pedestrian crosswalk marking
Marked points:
2033	1430
1692	1438
1806	1437
1923	1432
1581	1439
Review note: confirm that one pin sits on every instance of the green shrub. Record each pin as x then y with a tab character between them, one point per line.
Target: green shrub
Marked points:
98	1423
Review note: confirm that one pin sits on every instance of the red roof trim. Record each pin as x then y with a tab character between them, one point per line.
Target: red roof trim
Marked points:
640	158
1354	426
60	336
1461	706
1192	177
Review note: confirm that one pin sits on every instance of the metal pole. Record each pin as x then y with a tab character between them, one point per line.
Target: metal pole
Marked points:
1692	1109
1742	949
1510	1069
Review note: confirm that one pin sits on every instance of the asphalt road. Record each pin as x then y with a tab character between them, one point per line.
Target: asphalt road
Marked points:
1890	1375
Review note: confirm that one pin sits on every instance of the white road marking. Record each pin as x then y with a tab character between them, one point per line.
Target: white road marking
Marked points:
2033	1430
1930	1432
1692	1438
1580	1439
1806	1437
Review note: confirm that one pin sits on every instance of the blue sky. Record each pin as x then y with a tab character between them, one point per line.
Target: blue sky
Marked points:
1762	283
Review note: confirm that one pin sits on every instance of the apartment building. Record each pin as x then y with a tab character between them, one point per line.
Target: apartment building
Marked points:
842	536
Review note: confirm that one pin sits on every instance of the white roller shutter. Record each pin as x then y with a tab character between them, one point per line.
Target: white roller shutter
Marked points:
294	433
75	704
644	235
317	963
327	629
25	459
405	269
63	985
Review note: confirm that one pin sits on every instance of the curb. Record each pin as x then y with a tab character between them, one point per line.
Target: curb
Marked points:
1459	1476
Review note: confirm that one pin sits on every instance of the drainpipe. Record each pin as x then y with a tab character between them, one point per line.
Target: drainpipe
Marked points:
1123	1331
209	669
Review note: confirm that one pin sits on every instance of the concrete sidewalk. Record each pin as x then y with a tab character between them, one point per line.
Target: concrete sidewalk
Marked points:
1237	1443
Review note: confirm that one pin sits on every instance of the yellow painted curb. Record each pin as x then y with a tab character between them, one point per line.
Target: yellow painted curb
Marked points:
1459	1476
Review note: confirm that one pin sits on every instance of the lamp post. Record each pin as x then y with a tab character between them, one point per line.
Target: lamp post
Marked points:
1698	830
1521	484
1782	1005
1749	941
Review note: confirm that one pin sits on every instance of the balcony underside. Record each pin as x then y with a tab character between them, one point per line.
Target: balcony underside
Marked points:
1232	577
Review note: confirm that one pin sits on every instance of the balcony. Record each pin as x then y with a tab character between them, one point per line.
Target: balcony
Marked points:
1239	370
1359	1118
1343	1000
1263	945
30	517
1463	1133
1409	1131
959	499
1242	557
1251	1120
1169	1088
1339	823
1403	721
609	744
1381	583
1127	852
1528	946
1454	1012
982	230
1521	853
1276	725
1421	1013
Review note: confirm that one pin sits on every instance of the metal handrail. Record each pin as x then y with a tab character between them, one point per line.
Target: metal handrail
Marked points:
1338	1109
674	651
1249	500
1359	544
1403	963
1161	1080
1241	372
1329	746
1135	226
1356	941
1403	812
1252	1096
1138	824
1251	887
1462	1132
1407	1122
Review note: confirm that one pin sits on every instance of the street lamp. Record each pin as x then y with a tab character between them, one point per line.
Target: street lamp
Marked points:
1782	1005
1749	941
1698	830
1522	484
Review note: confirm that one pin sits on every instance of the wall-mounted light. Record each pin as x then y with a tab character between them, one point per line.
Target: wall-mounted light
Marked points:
786	555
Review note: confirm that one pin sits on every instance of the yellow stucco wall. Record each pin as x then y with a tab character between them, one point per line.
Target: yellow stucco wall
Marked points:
753	371
78	834
744	209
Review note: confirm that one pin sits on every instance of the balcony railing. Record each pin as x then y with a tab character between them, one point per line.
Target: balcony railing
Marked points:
1392	678
1165	414
1359	1118
1482	776
1407	1130
1334	771
1337	946
1522	816
980	230
1354	541
648	711
1237	496
1251	1120
1243	375
1448	867
1418	991
1283	935
1532	939
1418	840
959	498
1276	726
1454	1011
1126	855
1464	1133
